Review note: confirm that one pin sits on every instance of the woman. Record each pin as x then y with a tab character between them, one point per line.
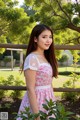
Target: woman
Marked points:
40	67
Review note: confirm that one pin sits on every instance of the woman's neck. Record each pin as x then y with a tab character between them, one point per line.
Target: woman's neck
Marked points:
39	52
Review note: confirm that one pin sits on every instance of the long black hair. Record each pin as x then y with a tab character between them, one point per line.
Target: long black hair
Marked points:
50	53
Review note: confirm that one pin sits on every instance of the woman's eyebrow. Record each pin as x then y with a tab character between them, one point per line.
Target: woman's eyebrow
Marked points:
46	35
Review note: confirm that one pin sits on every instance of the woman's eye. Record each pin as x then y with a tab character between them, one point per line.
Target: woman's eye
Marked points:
44	37
50	37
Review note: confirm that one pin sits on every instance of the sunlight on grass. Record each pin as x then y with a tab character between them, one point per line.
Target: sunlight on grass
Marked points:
56	83
70	69
15	73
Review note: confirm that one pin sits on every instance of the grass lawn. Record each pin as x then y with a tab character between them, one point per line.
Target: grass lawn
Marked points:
6	73
69	69
56	82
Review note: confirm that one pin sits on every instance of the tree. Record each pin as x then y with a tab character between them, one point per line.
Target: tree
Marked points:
15	23
66	14
62	16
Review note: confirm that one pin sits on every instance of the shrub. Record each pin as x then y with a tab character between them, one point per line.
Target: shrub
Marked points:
17	93
7	59
2	92
11	81
64	58
71	84
52	108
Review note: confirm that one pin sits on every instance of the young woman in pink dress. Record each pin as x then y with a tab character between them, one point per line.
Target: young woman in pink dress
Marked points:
40	67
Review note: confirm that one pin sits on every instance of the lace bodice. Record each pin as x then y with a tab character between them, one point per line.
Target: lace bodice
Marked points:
43	69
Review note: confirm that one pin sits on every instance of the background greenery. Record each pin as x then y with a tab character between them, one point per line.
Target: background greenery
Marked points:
18	79
16	23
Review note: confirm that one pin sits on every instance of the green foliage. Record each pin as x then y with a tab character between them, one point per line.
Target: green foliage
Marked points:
11	81
2	40
29	2
76	57
60	18
66	37
15	24
64	11
76	20
2	93
58	54
69	8
64	58
27	115
10	14
55	111
71	84
17	93
29	11
12	3
74	79
7	59
77	117
6	105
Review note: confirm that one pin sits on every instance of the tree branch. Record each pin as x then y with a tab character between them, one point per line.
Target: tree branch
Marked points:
63	11
54	12
71	41
78	39
73	27
61	28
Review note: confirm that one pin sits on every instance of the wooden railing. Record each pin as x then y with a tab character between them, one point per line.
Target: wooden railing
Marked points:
57	47
54	89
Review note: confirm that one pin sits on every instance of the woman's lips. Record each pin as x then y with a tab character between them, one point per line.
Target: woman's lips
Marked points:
47	44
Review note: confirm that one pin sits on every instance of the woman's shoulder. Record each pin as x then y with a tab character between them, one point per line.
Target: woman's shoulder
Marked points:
30	56
31	62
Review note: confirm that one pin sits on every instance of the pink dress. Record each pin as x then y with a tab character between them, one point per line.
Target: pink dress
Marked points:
43	87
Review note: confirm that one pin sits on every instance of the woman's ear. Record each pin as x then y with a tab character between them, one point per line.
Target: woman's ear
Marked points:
35	39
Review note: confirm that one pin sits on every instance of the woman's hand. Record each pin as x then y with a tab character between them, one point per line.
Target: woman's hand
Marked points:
38	118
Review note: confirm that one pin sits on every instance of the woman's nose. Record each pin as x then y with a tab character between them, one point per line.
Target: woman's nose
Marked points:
48	40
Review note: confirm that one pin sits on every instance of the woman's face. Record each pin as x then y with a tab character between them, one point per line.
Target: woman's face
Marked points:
44	40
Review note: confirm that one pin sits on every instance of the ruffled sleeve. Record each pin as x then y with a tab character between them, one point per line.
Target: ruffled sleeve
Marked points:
31	62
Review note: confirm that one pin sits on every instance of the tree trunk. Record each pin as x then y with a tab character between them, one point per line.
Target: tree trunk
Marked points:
73	27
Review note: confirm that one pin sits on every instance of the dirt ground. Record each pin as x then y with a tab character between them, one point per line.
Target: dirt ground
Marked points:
9	105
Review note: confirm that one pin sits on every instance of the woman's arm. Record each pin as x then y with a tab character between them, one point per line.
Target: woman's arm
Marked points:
30	83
